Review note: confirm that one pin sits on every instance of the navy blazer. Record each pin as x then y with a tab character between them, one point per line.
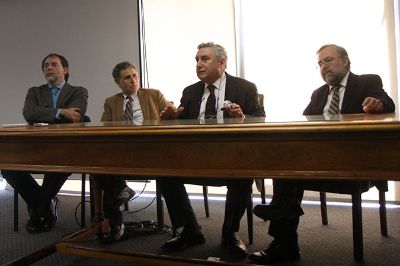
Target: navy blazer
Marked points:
237	90
38	107
357	89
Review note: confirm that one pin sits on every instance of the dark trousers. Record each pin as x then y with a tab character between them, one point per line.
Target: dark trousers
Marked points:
293	190
180	209
112	186
37	197
285	190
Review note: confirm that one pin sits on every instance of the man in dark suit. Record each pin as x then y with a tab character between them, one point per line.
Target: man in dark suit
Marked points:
145	104
54	102
217	95
344	93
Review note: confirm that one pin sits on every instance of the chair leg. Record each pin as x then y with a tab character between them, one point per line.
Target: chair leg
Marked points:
250	220
382	213
15	210
83	201
324	212
358	244
160	208
262	192
91	196
205	196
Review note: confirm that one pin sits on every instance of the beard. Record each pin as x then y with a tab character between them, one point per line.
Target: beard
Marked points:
332	79
51	78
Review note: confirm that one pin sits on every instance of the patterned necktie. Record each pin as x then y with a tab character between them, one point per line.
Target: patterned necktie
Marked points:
334	105
128	113
211	111
54	95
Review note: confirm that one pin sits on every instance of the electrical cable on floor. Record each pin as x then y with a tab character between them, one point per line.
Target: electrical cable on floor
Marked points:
126	213
76	212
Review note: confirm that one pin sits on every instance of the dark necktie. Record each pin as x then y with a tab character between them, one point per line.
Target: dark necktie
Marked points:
334	105
211	111
54	95
128	113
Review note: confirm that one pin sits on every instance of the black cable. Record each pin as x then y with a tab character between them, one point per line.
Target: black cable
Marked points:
134	211
143	208
141	192
76	212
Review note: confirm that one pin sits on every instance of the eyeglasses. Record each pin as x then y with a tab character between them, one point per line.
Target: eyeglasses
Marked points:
326	62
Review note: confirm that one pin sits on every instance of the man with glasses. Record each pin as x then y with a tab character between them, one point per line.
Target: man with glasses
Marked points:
343	93
216	95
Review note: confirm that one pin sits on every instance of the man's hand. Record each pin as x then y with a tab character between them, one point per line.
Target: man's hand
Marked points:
72	114
170	113
372	106
234	110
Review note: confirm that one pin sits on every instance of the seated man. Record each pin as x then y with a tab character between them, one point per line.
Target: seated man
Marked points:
132	105
344	93
54	102
203	100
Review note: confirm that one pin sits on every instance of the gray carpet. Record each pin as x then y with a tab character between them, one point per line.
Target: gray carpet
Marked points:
320	245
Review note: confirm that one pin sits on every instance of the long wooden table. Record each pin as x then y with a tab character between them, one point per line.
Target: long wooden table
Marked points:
313	147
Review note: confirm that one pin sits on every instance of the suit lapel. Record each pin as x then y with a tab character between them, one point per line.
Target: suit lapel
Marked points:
144	105
321	104
63	95
45	94
229	88
195	100
119	110
348	93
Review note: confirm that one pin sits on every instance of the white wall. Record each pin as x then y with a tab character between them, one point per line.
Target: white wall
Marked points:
172	44
94	35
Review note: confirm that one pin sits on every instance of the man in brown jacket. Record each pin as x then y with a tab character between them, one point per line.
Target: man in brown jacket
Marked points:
133	105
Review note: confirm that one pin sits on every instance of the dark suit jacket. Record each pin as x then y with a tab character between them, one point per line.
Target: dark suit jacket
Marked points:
152	102
38	106
357	89
237	90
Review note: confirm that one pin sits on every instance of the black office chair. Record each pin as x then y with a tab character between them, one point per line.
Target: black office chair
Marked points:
355	189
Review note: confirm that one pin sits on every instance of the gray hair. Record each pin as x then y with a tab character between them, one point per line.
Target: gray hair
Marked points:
339	49
220	52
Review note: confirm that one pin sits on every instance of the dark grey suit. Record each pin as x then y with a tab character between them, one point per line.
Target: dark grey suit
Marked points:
245	94
358	87
38	107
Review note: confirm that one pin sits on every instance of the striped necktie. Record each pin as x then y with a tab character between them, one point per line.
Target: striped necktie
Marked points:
128	113
334	105
211	111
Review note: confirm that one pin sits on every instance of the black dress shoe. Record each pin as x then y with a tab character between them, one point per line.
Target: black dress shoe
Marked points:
116	234
276	211
33	225
235	246
184	240
277	252
49	221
